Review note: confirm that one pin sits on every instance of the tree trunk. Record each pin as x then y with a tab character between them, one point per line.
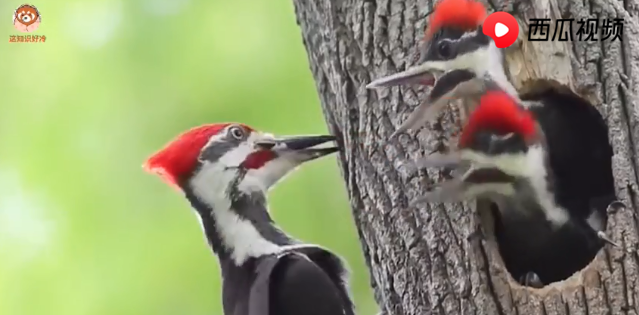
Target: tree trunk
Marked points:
425	261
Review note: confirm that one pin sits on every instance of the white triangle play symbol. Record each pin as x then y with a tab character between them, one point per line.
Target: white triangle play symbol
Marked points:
501	30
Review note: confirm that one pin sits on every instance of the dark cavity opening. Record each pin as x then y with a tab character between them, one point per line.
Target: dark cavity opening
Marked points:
583	182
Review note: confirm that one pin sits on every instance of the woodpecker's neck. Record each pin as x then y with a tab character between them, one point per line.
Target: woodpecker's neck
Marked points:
539	191
542	181
236	223
495	68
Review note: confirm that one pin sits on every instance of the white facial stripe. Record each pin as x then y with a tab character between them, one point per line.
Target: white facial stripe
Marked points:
474	191
239	235
237	155
486	189
456	41
537	168
477	60
467	35
495	68
505	137
531	166
511	164
265	177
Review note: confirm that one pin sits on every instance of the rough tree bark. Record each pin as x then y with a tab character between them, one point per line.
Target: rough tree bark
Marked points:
424	261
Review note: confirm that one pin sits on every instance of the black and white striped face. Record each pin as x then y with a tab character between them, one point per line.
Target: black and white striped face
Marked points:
495	160
494	144
492	166
450	45
507	154
225	171
241	157
449	49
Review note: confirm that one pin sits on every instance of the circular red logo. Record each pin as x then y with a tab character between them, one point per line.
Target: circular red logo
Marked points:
502	28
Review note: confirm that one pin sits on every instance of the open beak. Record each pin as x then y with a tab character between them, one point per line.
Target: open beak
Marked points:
440	160
300	148
425	73
453	85
422	74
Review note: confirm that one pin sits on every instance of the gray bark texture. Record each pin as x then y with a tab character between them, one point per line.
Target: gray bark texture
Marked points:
423	260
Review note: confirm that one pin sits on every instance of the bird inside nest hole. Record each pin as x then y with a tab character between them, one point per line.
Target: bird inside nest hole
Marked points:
534	251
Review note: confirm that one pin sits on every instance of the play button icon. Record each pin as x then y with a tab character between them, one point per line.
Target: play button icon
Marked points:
502	28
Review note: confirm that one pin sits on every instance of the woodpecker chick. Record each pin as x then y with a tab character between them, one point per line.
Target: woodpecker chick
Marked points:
499	143
225	171
451	21
455	47
507	159
454	40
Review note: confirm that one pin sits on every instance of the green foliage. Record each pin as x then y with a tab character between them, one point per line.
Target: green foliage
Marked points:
83	230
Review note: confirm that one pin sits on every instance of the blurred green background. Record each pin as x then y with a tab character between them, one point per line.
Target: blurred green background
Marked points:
83	230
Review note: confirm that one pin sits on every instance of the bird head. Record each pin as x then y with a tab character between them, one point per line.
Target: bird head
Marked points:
500	144
499	125
217	157
453	40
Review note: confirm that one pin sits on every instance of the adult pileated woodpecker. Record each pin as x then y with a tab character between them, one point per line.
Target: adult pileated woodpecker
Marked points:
225	171
467	64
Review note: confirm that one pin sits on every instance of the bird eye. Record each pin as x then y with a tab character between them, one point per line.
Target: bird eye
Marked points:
237	132
444	49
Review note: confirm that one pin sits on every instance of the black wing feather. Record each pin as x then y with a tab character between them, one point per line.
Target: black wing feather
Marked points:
299	286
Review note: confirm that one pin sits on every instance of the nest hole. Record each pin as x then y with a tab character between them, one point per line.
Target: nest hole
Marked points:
581	159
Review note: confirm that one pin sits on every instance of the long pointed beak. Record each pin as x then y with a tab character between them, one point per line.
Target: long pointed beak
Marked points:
440	160
452	85
425	112
301	148
423	74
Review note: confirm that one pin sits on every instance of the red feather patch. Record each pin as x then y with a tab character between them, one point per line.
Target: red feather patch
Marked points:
257	159
499	112
179	157
462	14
